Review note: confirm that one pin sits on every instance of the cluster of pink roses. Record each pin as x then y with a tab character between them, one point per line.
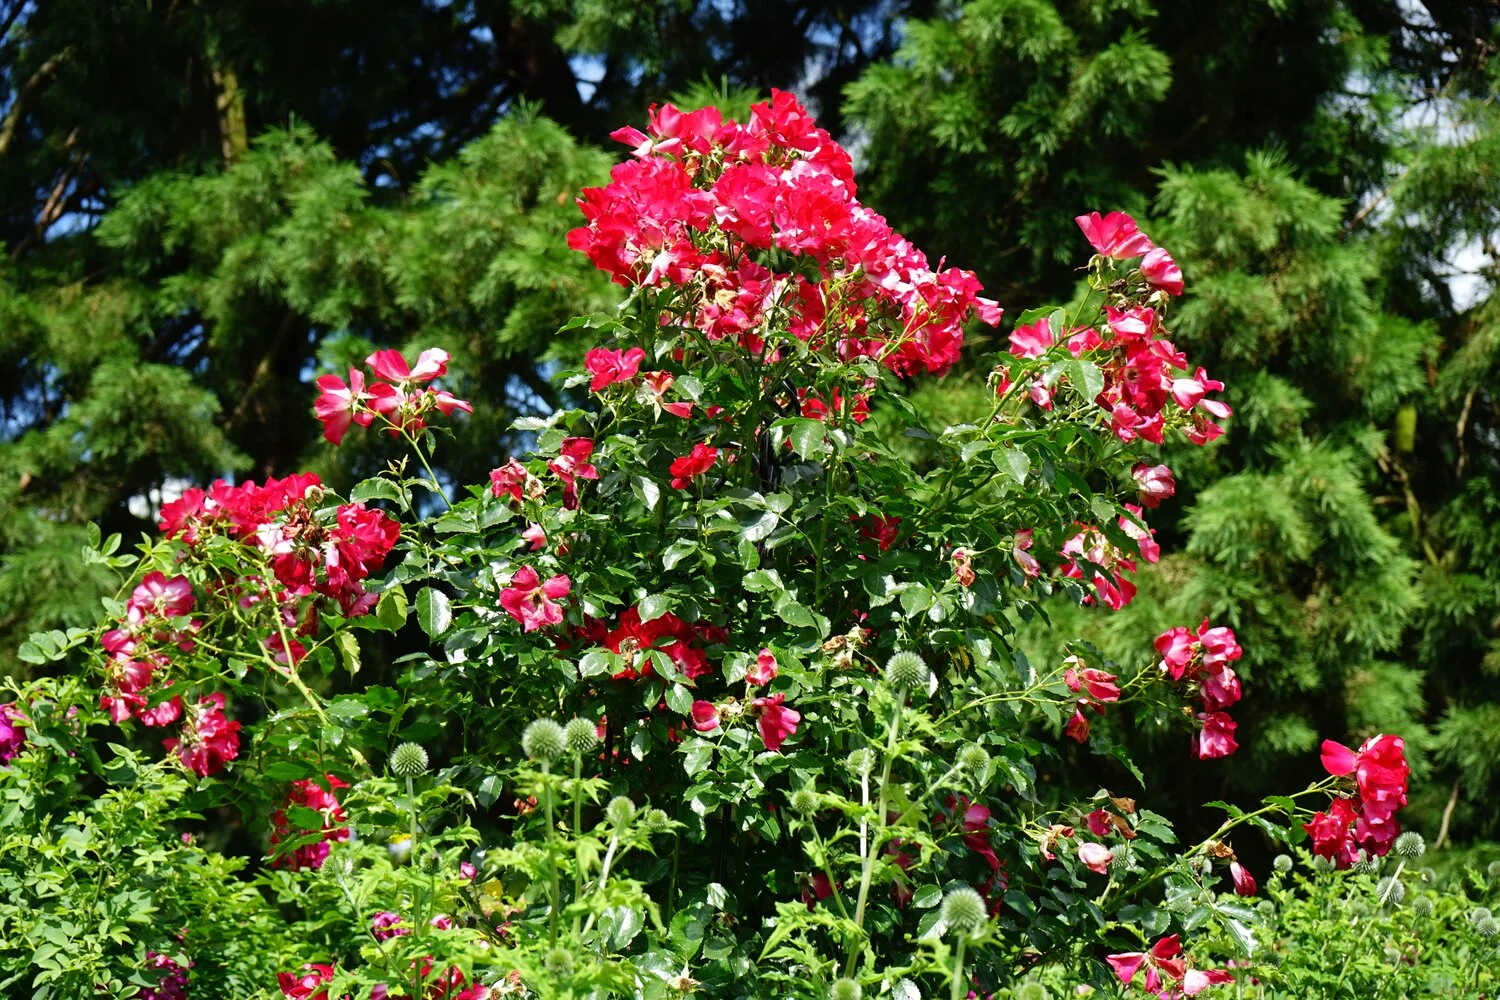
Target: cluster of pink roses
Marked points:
1167	972
702	194
313	795
1091	545
1203	658
1367	818
173	984
137	650
397	397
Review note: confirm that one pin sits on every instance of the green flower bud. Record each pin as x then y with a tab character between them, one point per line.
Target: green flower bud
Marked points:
657	821
620	811
805	801
1321	865
559	961
1410	845
1266	908
1422	906
544	740
906	670
581	736
845	989
1282	863
1390	891
408	760
860	761
975	759
963	911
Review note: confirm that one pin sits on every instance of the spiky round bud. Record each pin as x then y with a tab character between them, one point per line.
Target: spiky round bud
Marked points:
1367	864
805	801
657	821
1321	865
1181	904
620	811
860	761
975	759
1410	845
558	961
1479	913
1488	927
544	740
1422	906
408	760
1390	891
1282	863
581	736
1493	869
905	670
845	989
1266	908
1032	991
963	911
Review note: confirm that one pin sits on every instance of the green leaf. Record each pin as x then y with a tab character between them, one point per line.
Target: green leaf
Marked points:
390	612
433	612
679	699
1017	462
348	651
697	754
596	662
915	599
764	581
807	436
794	614
756	525
675	553
377	488
927	897
653	606
1086	377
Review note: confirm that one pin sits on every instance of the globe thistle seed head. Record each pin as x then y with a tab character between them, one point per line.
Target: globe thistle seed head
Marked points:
409	760
1282	863
1321	865
1488	927
657	821
558	961
620	811
581	736
1479	913
1410	845
1422	906
805	801
1266	908
975	759
1366	865
906	670
1493	869
1390	891
544	740
963	911
845	989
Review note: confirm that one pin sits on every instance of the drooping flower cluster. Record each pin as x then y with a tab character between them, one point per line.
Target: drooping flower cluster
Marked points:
12	733
306	984
1202	658
1101	689
312	795
571	464
209	740
704	196
397	396
1367	818
1109	562
1167	972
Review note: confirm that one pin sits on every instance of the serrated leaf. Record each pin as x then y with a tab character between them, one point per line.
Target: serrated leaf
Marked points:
1086	377
763	581
390	611
653	606
1017	463
348	651
377	488
927	897
915	599
757	525
794	614
808	437
679	699
433	612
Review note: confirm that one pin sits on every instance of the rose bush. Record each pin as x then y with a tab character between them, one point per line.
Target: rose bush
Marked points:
711	693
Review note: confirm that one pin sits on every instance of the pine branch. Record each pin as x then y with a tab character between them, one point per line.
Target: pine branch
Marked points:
36	82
